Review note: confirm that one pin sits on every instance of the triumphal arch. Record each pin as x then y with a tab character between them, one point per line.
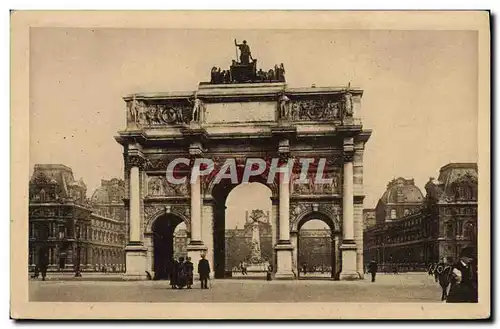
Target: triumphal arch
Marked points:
243	113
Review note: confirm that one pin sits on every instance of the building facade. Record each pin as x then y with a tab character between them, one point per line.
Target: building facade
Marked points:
108	225
64	229
439	228
242	116
369	218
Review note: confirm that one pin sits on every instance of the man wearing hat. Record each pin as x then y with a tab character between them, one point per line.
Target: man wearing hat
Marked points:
464	278
204	271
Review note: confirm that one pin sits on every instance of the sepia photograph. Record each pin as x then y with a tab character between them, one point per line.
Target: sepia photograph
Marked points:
328	165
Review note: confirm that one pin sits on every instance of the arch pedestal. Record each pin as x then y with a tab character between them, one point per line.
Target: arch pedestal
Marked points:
135	262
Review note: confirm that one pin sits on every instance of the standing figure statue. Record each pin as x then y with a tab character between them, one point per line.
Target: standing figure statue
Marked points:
284	107
282	72
245	54
197	108
348	104
213	75
271	75
134	111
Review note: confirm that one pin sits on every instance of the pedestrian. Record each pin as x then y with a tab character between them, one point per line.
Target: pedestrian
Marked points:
189	270
204	271
244	268
37	272
463	287
182	274
174	269
373	269
269	272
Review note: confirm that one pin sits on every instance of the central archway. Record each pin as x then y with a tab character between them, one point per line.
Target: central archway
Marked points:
163	230
233	235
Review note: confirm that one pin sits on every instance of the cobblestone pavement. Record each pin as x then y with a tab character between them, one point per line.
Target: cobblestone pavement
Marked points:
416	287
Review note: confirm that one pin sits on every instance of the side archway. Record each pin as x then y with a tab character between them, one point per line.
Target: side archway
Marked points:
162	236
316	252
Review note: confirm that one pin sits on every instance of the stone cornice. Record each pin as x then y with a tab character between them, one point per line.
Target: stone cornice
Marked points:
244	92
266	131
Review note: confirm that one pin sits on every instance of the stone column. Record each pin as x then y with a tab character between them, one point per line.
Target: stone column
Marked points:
338	256
196	211
136	262
208	232
348	246
196	248
284	248
284	204
294	240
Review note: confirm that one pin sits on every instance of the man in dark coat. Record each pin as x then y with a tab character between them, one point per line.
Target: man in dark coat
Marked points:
372	268
43	265
204	271
174	271
189	267
463	288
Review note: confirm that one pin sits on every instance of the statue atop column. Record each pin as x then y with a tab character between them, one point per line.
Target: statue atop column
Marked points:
134	111
198	107
284	108
245	54
245	70
348	106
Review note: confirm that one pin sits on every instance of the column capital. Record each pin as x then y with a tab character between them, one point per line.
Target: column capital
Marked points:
348	156
135	160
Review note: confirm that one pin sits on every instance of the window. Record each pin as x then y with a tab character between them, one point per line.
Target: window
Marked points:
62	231
469	232
449	230
43	195
393	213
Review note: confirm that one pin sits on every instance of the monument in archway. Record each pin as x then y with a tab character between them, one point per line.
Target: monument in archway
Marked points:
245	113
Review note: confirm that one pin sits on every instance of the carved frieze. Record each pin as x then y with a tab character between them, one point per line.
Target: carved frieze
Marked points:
315	110
313	188
160	186
158	114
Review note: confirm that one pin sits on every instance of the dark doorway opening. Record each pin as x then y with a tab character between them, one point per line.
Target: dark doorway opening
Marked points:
163	245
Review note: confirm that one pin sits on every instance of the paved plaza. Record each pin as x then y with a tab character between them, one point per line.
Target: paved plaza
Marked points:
410	287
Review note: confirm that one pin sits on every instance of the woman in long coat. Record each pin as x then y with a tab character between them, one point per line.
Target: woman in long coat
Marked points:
174	270
182	278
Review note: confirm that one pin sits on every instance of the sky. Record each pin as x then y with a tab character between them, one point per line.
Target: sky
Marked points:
420	90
